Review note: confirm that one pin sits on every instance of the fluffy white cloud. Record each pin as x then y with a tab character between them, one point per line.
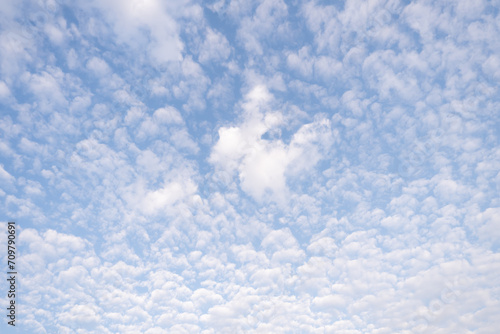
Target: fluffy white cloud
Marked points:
263	164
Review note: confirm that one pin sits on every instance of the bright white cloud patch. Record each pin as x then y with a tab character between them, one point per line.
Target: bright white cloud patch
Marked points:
262	164
252	166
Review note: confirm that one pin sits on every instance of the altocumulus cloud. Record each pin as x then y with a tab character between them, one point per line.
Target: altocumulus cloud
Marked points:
252	167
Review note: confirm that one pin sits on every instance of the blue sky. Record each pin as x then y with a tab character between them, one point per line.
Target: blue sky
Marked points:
252	166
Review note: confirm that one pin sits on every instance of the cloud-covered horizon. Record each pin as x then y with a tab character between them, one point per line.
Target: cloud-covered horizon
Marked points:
252	166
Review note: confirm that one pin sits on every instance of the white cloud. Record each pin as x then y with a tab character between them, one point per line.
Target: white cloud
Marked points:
82	316
262	164
98	66
269	16
214	48
168	115
4	91
6	176
144	26
488	225
47	88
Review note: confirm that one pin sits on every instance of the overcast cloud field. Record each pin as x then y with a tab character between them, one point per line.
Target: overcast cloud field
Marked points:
238	166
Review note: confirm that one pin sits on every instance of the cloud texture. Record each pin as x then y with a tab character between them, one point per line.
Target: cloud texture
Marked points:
252	166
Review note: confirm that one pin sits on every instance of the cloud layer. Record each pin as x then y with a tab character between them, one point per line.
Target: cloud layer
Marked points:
252	166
